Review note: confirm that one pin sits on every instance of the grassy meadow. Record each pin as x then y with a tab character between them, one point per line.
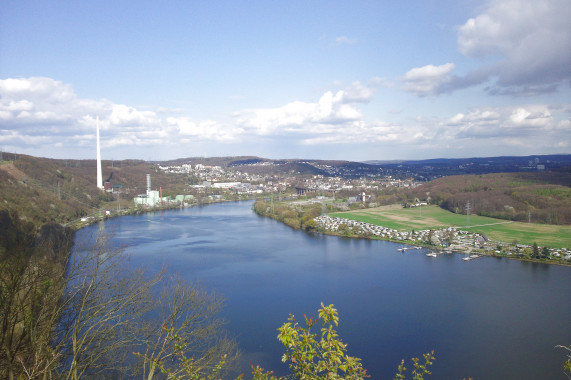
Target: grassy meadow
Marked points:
433	217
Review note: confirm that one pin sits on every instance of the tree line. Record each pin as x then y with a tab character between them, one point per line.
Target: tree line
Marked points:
525	197
296	218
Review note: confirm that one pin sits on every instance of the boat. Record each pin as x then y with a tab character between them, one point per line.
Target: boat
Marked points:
431	254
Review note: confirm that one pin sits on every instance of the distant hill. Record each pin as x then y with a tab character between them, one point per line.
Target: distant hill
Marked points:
258	165
440	167
520	161
539	197
212	161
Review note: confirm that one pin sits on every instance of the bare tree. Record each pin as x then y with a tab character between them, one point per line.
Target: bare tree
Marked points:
101	311
85	316
27	299
190	339
29	294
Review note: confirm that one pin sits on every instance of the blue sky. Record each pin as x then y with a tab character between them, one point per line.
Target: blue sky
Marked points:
359	80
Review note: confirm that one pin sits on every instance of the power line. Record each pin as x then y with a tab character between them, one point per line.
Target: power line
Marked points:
468	214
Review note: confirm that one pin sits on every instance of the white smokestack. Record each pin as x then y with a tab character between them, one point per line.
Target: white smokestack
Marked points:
99	175
148	184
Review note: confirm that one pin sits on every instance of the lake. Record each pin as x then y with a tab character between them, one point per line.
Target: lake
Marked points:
487	318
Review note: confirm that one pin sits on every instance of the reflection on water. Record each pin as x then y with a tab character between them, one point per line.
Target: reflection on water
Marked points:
486	318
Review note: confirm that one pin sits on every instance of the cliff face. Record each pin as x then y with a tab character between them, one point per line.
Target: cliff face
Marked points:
18	238
55	241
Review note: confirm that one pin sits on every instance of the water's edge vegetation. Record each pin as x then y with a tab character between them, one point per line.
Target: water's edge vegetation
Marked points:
306	217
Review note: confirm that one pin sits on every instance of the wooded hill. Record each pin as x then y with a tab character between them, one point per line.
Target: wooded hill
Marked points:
42	190
45	190
264	166
542	197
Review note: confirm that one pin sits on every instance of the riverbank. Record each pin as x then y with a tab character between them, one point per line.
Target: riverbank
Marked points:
402	300
449	239
103	214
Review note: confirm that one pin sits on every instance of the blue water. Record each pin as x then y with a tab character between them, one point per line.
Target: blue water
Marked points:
487	318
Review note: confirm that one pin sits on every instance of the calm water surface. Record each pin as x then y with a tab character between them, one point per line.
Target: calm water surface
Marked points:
487	318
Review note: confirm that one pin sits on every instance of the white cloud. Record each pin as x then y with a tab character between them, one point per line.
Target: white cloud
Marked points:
332	110
35	88
428	72
41	116
427	80
565	125
37	112
357	93
299	117
522	117
123	116
525	45
512	27
203	130
514	122
532	39
42	100
359	132
344	40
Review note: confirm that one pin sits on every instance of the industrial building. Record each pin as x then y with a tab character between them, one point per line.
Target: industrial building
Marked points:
151	197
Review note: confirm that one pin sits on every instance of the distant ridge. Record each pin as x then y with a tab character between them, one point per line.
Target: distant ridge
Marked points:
422	170
562	158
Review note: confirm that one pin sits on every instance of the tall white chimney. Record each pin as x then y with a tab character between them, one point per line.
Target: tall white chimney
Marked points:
99	175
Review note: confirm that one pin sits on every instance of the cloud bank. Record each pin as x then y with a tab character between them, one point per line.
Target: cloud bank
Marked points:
527	43
43	116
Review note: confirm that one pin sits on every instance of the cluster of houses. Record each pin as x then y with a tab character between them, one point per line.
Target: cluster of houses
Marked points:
446	237
236	181
212	175
449	238
522	249
235	187
324	183
563	253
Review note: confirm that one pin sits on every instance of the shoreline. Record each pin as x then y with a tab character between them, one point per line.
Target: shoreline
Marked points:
452	248
361	230
78	224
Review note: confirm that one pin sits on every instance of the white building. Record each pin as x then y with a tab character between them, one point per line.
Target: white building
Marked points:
150	199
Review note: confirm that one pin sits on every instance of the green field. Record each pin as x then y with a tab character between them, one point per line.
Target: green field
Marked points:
433	217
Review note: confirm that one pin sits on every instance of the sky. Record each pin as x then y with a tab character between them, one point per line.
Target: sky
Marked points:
344	80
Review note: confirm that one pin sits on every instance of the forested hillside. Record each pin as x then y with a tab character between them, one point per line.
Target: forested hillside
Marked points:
539	197
80	318
44	190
